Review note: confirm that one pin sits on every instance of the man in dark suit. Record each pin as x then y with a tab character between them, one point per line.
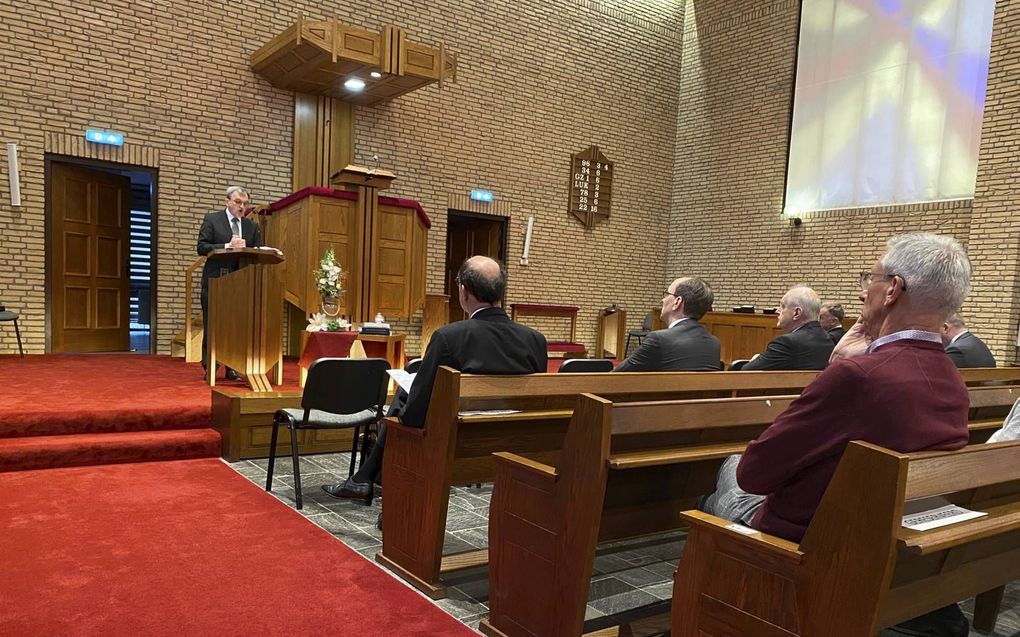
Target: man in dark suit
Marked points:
227	228
685	345
964	348
831	319
805	345
488	342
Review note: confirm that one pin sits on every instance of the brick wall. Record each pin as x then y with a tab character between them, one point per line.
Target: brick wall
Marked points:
726	223
537	80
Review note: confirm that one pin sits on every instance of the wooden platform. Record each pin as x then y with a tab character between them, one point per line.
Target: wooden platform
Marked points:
245	422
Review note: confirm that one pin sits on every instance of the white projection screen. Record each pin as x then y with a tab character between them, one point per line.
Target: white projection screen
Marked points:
888	102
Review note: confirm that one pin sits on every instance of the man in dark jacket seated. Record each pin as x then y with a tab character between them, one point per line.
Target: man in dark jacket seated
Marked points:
488	342
685	345
966	349
805	345
890	384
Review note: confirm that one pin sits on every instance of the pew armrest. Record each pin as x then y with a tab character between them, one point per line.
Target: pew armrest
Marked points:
394	423
785	550
515	462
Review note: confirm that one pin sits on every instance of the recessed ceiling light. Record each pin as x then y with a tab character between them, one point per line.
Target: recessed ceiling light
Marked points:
354	84
375	75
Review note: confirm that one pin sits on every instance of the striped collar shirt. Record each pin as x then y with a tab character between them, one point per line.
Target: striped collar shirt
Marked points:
916	335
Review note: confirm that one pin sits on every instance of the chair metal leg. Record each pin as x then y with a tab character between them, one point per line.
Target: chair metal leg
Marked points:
272	455
626	348
17	333
354	451
297	468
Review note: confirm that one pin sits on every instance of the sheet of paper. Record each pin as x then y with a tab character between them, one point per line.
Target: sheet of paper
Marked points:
403	378
942	516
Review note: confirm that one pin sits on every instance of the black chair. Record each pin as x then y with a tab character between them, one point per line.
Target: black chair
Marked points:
586	365
340	393
646	326
738	364
7	315
412	366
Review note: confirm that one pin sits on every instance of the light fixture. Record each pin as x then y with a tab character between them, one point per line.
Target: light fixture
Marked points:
354	84
375	75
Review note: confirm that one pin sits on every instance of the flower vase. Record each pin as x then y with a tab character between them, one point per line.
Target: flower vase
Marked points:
330	306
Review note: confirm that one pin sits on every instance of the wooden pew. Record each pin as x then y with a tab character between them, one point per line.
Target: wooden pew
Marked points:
857	570
421	465
627	469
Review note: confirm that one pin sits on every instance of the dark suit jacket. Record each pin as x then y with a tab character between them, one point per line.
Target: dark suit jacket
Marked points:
488	343
806	348
836	333
970	351
214	233
687	346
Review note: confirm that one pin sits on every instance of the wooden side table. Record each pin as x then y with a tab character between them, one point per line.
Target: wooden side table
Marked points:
339	344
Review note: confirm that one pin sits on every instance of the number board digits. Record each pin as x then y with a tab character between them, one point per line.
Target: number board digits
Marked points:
591	186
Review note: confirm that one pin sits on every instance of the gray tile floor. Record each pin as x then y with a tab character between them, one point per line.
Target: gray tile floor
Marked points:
627	574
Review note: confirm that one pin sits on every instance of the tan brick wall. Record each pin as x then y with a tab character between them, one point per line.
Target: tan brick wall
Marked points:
726	222
537	80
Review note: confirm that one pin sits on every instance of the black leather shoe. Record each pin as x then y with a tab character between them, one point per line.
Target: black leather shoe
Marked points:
232	375
378	521
352	490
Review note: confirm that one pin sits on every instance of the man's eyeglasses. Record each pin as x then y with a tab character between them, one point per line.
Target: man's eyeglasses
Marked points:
867	277
668	293
238	203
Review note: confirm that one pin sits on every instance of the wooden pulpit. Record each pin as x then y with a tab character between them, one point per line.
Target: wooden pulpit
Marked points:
378	241
245	321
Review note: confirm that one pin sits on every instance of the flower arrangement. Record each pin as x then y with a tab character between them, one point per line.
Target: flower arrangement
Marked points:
320	322
329	276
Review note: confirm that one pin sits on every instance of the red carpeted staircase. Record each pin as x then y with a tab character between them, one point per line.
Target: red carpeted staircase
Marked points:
68	410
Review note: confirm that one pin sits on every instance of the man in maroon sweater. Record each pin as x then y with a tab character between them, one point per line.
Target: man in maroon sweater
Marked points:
890	383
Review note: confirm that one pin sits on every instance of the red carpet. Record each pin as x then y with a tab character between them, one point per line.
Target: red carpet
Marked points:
67	410
184	548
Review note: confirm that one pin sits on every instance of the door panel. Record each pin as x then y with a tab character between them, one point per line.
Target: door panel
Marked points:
90	222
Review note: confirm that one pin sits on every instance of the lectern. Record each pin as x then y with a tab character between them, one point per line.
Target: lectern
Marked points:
245	321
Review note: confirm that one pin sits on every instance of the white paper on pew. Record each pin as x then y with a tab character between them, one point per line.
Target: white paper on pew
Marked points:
403	379
942	516
740	528
490	412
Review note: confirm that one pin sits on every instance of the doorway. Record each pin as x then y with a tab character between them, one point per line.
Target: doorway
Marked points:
100	267
469	234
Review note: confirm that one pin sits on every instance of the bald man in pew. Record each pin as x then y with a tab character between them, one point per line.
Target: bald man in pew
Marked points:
488	342
685	345
890	384
805	345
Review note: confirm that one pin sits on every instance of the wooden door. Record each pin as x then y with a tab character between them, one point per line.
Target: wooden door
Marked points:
469	235
89	246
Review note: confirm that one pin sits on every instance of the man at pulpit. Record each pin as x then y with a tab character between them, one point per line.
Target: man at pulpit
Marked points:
488	342
227	228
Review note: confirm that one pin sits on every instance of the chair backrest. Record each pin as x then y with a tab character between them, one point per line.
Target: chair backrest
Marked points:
345	385
413	366
586	365
646	324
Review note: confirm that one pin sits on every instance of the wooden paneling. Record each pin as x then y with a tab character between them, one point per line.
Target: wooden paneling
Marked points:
323	139
316	56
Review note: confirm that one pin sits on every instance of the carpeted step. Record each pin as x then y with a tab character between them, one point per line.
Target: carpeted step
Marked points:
45	452
93	420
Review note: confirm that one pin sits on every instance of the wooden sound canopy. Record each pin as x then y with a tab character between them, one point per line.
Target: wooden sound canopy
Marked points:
319	56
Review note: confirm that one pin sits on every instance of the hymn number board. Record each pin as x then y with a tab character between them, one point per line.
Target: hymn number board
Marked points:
591	184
